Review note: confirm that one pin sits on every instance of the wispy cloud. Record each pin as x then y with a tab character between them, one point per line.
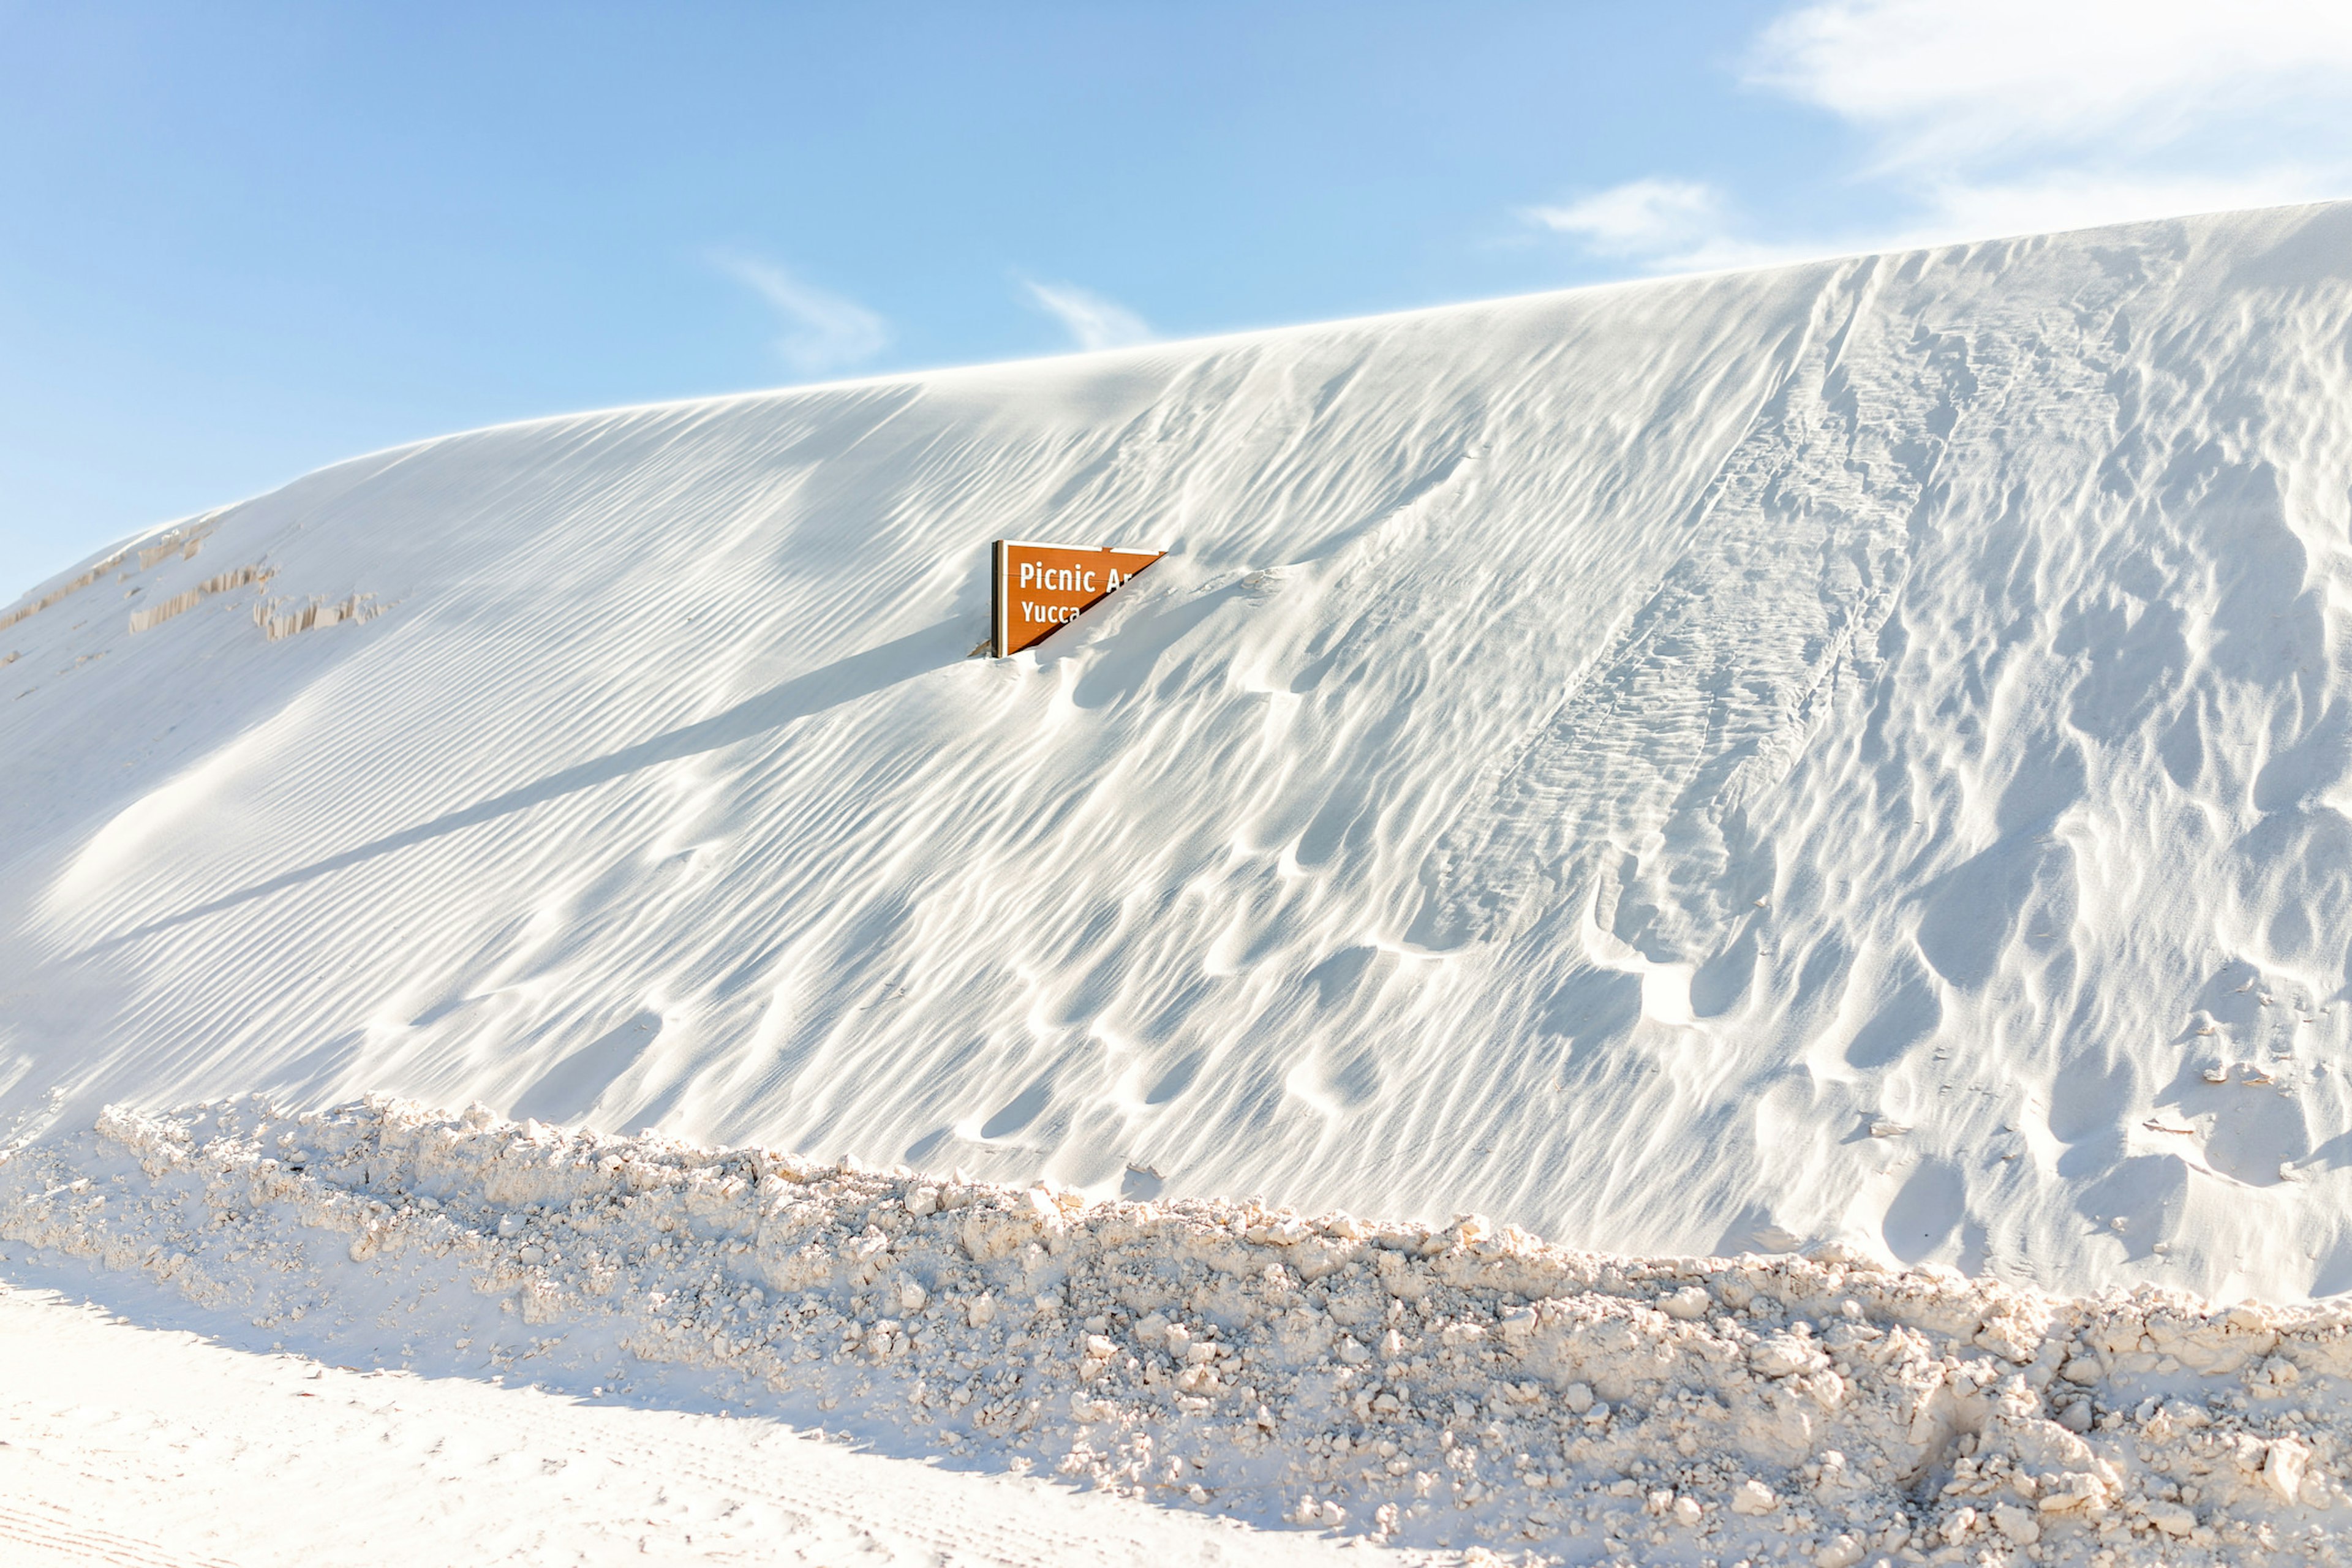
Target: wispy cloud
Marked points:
1989	117
1641	218
1092	321
823	333
1965	84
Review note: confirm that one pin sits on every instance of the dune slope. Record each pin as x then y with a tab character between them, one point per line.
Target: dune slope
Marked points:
1857	751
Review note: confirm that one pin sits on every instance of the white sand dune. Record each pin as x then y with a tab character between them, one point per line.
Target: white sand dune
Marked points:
1857	753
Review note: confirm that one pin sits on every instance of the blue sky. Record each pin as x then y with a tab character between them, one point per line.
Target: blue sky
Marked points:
239	241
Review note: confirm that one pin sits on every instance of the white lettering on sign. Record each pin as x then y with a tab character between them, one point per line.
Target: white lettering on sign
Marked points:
1066	579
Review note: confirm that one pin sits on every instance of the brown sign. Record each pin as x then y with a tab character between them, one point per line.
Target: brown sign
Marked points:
1041	588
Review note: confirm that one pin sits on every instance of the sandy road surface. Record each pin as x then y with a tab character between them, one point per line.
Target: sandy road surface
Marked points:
130	1445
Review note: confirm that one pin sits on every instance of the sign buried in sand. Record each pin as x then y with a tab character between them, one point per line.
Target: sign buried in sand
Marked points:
1037	589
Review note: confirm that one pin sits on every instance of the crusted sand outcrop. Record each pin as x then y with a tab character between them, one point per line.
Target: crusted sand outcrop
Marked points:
1461	1386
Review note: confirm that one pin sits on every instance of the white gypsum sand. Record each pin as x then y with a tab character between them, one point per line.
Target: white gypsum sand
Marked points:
133	1446
1845	759
1455	1388
1588	758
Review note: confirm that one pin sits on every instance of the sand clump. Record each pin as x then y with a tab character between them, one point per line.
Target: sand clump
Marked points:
1459	1386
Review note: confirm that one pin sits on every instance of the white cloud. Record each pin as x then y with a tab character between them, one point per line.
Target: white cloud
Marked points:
1092	321
822	331
1641	218
1946	84
2085	198
1984	117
